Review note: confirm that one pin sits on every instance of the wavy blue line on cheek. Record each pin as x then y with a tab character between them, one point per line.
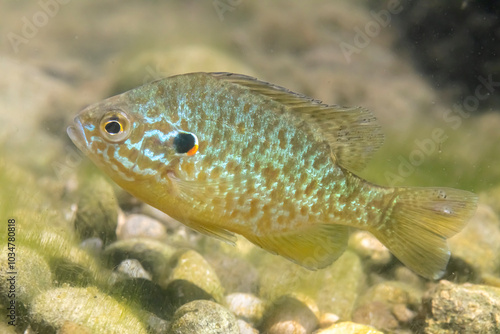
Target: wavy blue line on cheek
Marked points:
89	127
132	146
151	155
123	160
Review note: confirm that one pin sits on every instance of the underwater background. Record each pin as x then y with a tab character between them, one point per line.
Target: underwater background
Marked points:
80	255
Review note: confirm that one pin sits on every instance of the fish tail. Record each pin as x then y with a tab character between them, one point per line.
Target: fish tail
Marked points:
417	222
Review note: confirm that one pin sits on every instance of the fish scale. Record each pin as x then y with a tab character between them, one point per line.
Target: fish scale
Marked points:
274	166
259	141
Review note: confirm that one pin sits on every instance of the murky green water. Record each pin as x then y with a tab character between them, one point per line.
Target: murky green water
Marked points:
79	255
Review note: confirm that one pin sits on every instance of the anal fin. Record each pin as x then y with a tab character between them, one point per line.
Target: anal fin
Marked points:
211	230
314	247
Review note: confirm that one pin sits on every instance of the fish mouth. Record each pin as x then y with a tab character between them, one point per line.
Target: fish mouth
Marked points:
76	134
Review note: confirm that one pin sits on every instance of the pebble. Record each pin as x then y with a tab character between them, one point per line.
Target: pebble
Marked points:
93	246
328	319
203	317
246	306
153	255
193	278
97	213
34	277
87	307
235	273
402	313
341	285
141	226
72	328
167	221
479	242
491	196
376	314
157	325
348	327
5	328
144	293
246	328
393	292
385	304
405	275
288	314
132	268
468	308
68	262
369	248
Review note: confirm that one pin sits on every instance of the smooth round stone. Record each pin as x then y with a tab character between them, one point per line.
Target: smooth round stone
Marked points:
328	319
405	275
290	315
141	226
236	274
246	306
376	314
34	274
402	313
167	221
87	307
342	284
143	293
93	246
68	262
72	328
478	244
381	302
367	246
246	328
348	327
192	268
97	213
203	317
462	308
153	255
133	269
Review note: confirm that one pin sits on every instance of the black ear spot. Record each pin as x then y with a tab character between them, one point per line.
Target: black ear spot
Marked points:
185	143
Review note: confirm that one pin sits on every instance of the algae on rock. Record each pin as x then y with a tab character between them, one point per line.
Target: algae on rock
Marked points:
87	307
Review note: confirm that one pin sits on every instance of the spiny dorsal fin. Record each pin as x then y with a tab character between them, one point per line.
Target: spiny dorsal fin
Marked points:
353	133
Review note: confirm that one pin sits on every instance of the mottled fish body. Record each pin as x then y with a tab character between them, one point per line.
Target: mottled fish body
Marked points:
225	153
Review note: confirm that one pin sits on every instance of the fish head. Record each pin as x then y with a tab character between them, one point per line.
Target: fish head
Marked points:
119	136
104	132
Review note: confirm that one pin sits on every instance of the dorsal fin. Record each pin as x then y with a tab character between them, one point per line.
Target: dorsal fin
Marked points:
353	133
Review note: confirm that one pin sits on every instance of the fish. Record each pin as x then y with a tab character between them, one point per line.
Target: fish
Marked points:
228	154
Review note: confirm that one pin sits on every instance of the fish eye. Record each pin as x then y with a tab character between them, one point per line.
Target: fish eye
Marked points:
185	143
115	126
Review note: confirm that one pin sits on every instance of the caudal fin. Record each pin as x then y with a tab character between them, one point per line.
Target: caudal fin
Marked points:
418	222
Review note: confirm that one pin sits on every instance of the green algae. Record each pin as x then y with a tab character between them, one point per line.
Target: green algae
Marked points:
97	212
85	306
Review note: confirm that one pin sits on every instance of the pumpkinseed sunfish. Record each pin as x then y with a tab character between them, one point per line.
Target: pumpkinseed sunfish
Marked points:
226	153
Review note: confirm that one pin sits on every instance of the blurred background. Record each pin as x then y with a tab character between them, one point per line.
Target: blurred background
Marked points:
414	64
429	71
